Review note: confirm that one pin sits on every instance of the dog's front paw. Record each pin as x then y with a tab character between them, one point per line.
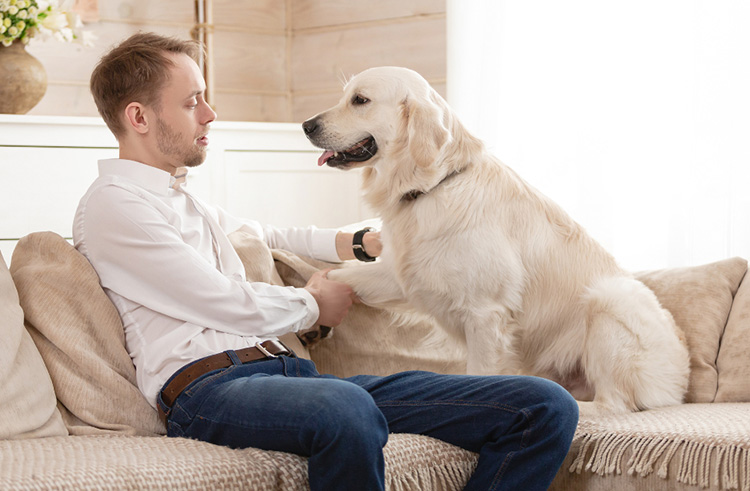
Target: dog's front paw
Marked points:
311	337
344	276
336	275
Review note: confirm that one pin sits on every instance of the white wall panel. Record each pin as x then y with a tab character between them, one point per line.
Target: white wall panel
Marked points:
289	189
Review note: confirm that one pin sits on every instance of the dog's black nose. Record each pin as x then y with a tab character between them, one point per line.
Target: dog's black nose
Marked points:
310	126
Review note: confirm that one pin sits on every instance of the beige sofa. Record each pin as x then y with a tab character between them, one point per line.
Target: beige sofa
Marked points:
72	418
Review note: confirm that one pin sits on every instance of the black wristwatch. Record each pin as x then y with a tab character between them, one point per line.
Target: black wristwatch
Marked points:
358	248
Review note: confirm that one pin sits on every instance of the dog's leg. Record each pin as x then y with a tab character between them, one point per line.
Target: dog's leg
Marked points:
373	283
490	342
633	355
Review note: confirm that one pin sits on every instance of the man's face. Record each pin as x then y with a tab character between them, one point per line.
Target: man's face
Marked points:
183	116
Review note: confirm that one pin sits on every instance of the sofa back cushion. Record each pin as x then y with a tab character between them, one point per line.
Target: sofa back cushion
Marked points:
28	407
80	336
700	299
733	361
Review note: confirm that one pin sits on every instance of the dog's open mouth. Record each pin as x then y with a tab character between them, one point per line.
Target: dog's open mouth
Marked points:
359	152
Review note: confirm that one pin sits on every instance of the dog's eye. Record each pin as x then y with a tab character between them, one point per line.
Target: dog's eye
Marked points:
358	100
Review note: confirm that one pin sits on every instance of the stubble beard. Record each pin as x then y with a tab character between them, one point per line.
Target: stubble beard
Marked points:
169	143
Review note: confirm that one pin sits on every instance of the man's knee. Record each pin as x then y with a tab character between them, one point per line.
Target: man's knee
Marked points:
555	405
345	410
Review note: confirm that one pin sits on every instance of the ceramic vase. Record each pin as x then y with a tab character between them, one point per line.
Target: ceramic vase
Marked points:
23	80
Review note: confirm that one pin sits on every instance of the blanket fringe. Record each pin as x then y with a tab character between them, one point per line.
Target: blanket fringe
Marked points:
447	476
719	466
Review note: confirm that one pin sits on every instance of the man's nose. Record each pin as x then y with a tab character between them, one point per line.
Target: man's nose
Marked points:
210	115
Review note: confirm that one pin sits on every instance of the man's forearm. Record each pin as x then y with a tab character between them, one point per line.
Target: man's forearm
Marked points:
370	242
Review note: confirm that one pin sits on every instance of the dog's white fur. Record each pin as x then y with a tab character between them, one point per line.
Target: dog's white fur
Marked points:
495	261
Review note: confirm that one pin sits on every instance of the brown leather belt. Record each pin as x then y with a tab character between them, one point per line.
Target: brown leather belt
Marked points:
266	350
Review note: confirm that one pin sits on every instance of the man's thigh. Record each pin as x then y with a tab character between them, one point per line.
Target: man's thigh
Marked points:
460	409
275	405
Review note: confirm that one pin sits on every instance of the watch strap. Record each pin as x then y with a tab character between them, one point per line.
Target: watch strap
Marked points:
358	248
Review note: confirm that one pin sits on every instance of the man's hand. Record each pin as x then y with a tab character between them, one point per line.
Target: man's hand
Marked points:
334	298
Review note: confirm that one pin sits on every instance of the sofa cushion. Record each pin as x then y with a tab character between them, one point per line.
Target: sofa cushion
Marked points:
28	407
699	298
413	463
80	336
733	361
685	447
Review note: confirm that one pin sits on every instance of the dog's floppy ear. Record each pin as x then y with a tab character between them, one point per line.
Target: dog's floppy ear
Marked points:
425	131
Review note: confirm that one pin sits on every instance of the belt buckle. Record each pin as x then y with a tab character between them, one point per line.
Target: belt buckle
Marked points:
264	351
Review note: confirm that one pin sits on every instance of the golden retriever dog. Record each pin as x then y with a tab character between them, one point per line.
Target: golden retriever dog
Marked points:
494	261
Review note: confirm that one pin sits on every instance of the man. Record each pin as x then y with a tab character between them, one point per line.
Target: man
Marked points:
204	340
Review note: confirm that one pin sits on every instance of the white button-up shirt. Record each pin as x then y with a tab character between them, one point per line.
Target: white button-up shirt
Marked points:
164	259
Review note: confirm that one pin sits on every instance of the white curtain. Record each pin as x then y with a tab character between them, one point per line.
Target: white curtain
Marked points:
632	115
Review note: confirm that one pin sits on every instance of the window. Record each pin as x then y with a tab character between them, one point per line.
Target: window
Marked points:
633	116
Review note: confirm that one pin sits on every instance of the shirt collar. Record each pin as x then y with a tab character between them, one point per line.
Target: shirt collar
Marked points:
150	178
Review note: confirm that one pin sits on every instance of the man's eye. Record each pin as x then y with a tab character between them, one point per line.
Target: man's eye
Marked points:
358	100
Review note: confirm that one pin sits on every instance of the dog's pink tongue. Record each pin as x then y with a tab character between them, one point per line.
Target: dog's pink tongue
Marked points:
324	157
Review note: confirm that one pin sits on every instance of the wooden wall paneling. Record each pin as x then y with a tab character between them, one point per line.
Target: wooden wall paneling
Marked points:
73	62
239	106
250	76
305	106
250	62
320	60
275	60
70	99
161	12
253	15
322	13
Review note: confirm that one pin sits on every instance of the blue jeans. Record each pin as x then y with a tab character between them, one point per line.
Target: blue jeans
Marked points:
521	427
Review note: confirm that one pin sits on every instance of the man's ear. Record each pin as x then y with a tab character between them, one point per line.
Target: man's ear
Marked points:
135	117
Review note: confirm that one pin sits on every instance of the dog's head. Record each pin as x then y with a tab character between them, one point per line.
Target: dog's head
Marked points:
384	111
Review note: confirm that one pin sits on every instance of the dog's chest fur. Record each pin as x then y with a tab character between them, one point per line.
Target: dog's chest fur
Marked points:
468	246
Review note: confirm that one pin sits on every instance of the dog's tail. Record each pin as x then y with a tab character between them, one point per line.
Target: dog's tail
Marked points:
634	357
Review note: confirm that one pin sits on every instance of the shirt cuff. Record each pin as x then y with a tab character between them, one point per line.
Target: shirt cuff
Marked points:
313	311
324	245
